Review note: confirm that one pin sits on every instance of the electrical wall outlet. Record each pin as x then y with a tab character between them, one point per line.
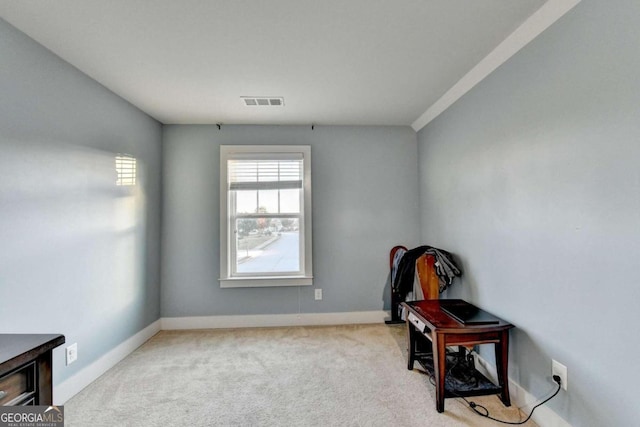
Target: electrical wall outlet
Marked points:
72	353
318	295
560	370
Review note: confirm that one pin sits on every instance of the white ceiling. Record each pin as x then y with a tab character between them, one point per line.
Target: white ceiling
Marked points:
356	62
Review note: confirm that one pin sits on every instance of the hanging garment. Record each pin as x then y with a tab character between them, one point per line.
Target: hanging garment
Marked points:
444	265
396	261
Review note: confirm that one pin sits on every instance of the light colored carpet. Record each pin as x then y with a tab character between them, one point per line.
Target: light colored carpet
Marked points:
352	375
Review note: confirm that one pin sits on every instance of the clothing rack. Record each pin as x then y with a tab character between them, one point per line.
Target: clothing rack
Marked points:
396	298
422	274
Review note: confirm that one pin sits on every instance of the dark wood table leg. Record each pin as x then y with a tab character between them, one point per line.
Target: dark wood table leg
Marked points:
439	367
411	346
502	362
45	384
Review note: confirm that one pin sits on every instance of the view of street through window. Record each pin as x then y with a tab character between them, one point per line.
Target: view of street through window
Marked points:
276	252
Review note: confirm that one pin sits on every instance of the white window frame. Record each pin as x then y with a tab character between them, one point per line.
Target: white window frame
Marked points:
229	279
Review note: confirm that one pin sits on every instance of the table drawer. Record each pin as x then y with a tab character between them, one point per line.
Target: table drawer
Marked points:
18	387
420	326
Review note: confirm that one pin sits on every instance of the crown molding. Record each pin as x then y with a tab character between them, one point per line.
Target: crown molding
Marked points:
542	19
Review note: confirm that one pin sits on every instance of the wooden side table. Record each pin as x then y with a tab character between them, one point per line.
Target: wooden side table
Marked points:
426	319
25	368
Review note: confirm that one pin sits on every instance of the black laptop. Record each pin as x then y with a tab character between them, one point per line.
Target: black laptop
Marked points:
466	313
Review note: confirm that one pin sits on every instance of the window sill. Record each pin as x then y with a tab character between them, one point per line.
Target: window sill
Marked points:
264	282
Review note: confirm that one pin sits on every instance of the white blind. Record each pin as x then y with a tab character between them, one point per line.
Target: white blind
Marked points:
257	174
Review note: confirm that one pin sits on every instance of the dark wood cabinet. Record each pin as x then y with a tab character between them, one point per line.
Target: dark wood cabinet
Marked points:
25	368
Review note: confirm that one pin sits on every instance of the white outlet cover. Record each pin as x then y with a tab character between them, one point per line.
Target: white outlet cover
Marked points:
318	294
72	353
560	370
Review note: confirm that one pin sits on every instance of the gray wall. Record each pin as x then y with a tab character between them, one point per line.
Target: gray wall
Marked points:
533	178
365	186
78	255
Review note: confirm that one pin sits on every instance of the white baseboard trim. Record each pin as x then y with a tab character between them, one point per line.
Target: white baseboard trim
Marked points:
73	385
520	397
270	320
67	389
543	416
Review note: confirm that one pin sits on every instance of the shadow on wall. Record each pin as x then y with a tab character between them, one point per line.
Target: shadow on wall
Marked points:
386	293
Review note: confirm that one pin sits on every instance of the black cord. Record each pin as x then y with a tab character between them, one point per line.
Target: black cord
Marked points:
474	406
432	378
484	412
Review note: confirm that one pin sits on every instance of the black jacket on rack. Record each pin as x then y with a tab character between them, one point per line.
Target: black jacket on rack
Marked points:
446	269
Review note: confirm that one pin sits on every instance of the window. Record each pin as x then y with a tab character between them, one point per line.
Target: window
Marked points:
265	216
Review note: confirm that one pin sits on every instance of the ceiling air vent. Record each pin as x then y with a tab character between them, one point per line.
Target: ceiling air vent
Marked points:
263	101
